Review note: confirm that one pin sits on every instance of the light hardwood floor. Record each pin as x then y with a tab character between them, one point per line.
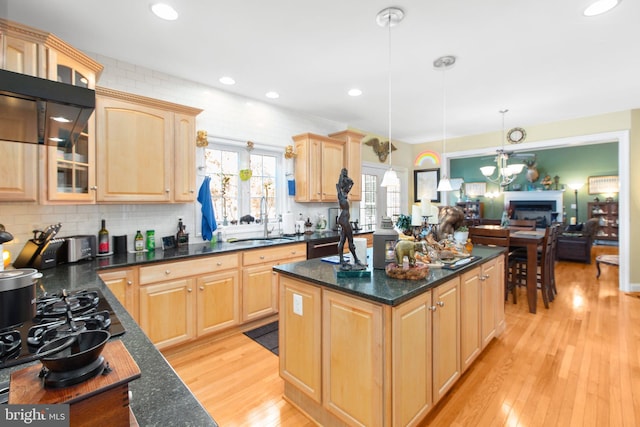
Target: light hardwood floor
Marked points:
575	364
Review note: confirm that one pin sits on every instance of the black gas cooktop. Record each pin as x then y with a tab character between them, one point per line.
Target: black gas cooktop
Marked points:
56	317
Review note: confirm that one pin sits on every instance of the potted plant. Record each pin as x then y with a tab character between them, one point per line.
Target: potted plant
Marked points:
404	224
461	234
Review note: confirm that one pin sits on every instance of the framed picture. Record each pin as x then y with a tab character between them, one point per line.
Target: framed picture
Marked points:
475	188
603	184
425	185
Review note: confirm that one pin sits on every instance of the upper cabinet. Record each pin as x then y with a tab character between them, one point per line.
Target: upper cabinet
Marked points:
68	173
319	162
145	149
353	159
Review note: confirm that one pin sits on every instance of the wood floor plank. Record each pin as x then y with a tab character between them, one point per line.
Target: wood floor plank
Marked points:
575	364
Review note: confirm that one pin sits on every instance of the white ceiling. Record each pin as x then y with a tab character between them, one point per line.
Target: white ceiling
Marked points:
541	59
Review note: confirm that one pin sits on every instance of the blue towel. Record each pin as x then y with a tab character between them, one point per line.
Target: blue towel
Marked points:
209	224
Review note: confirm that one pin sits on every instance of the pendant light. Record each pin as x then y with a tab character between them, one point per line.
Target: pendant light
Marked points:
444	63
389	17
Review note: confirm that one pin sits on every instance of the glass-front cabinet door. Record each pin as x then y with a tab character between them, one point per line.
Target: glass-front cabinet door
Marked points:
70	164
71	175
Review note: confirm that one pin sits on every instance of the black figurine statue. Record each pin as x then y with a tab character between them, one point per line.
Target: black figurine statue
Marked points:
346	233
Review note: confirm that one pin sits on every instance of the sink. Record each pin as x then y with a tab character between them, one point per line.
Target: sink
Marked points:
260	240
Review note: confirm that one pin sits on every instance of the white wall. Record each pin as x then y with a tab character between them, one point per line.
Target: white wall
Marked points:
225	115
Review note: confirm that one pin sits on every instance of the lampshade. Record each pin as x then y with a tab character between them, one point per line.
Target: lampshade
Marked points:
575	186
390	178
487	170
445	185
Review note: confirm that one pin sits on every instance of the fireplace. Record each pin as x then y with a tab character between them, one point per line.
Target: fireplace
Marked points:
543	206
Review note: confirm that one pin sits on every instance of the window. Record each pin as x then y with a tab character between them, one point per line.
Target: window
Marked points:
378	201
228	184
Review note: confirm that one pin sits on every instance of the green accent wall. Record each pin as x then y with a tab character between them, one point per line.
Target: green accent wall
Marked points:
570	164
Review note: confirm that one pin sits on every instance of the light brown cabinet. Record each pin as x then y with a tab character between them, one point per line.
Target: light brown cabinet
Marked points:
446	337
470	307
259	282
300	333
69	174
202	295
353	159
145	149
124	285
352	361
319	161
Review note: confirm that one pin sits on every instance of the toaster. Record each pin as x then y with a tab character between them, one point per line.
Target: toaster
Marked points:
77	248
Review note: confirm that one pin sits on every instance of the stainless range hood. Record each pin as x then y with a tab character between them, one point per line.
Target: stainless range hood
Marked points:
40	111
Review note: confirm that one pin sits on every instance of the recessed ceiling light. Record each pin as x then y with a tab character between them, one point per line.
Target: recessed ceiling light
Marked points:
226	80
272	95
600	6
164	11
354	92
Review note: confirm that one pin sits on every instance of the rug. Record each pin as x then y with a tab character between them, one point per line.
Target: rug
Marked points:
266	336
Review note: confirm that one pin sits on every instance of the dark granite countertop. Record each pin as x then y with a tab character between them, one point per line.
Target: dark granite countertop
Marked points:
159	396
379	287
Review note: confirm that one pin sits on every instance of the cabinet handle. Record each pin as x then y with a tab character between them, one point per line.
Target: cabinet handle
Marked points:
94	187
167	272
486	276
432	307
192	191
218	263
440	303
129	282
261	256
202	288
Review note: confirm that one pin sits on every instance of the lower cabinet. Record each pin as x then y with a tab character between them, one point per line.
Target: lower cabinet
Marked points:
202	296
124	285
352	360
259	282
446	337
347	360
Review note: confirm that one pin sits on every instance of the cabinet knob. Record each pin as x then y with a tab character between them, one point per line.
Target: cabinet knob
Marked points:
167	272
440	303
167	190
202	288
94	187
485	276
129	282
432	307
218	263
261	256
189	289
192	191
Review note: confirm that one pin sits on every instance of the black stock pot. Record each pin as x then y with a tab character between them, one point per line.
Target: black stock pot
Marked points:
17	296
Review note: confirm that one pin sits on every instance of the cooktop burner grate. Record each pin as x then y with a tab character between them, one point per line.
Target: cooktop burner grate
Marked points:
90	311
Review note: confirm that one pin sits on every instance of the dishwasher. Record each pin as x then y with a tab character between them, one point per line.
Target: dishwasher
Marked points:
326	246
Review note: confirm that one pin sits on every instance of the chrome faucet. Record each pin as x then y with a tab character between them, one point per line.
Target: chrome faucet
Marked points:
264	216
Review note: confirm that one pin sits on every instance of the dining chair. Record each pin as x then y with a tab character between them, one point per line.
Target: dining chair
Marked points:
522	224
494	237
545	268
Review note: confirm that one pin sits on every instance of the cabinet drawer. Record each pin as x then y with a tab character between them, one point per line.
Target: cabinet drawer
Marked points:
274	253
173	270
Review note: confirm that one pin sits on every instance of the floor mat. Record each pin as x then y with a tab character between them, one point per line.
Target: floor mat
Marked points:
266	336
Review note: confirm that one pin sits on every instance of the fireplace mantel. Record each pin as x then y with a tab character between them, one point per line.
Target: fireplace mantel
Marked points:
552	195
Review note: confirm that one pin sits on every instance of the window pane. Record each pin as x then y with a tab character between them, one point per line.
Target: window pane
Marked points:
368	214
222	167
263	184
393	202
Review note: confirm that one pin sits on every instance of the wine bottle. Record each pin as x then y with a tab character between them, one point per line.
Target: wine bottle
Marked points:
139	241
182	237
103	240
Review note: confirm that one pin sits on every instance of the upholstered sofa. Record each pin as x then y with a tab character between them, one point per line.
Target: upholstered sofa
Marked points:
575	242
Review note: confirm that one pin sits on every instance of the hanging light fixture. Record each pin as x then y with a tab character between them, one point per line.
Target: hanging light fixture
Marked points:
444	63
507	173
389	17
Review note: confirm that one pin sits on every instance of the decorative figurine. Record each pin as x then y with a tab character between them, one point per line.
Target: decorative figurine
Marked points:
346	233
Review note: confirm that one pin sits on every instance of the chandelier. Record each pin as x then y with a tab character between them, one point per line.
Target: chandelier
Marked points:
507	173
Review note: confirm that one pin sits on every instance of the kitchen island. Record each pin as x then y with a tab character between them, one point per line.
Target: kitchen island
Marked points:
381	351
159	396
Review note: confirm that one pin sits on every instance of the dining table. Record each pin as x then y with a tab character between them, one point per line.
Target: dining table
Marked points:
529	239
